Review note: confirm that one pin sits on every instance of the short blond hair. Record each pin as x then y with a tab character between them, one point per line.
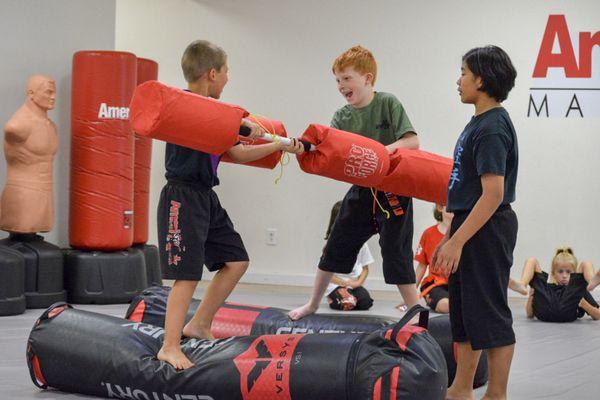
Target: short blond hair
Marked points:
359	58
199	57
563	254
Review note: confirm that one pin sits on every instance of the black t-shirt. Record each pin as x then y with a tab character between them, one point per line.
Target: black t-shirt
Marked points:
488	145
193	166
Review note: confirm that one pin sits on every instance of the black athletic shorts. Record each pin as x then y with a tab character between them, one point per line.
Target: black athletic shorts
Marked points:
358	220
433	297
558	303
479	311
193	230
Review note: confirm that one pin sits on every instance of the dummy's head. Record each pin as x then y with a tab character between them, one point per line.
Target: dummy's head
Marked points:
203	60
564	264
41	90
355	72
486	70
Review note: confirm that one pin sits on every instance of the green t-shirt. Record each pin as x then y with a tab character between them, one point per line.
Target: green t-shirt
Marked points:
384	119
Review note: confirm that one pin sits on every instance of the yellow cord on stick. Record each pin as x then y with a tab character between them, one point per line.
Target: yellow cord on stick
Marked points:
285	157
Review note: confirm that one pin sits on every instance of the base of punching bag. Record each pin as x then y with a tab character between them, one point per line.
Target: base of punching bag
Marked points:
96	277
12	282
43	269
152	258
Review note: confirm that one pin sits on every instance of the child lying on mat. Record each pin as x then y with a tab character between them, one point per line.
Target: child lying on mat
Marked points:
563	296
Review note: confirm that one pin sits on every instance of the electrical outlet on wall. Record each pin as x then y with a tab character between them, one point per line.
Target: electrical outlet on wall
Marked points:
271	236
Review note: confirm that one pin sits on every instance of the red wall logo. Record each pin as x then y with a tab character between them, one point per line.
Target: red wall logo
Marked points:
265	367
557	30
566	78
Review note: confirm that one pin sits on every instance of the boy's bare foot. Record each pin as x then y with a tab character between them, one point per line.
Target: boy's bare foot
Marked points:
197	332
595	281
517	287
302	312
175	357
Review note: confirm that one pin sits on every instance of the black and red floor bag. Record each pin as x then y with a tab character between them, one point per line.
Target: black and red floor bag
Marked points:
100	355
241	319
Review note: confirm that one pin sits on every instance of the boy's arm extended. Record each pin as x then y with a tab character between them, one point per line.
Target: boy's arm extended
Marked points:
245	153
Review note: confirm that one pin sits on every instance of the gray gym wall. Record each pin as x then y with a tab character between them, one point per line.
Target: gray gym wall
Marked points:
38	36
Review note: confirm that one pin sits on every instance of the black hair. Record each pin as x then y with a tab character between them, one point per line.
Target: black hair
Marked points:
437	214
335	210
495	69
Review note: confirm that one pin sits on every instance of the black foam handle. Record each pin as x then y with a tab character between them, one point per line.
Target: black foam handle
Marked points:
244	131
306	145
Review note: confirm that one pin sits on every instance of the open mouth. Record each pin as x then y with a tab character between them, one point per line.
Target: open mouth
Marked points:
347	95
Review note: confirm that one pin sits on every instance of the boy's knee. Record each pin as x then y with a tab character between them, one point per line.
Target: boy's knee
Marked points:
443	306
239	266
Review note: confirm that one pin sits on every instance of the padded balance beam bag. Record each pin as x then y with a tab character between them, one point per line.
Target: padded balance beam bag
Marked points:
234	319
344	156
418	174
102	145
184	118
239	320
271	126
100	355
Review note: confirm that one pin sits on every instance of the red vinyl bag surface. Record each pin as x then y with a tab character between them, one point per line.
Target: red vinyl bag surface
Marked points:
184	118
102	148
344	156
418	174
273	127
146	70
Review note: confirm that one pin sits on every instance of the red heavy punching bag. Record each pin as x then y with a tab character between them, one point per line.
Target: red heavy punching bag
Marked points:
184	118
102	145
418	174
344	156
271	126
147	70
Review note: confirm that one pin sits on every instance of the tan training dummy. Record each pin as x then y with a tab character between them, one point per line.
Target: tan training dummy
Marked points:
30	143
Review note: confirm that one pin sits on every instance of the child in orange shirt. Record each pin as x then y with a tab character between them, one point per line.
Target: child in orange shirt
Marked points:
434	287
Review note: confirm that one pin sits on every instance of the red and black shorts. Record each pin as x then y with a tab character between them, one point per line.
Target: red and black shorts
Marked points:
194	230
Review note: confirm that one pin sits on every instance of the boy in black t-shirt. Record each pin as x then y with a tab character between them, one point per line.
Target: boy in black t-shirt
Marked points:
193	228
477	250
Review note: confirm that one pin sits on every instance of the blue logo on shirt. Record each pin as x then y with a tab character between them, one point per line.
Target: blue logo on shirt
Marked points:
455	175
